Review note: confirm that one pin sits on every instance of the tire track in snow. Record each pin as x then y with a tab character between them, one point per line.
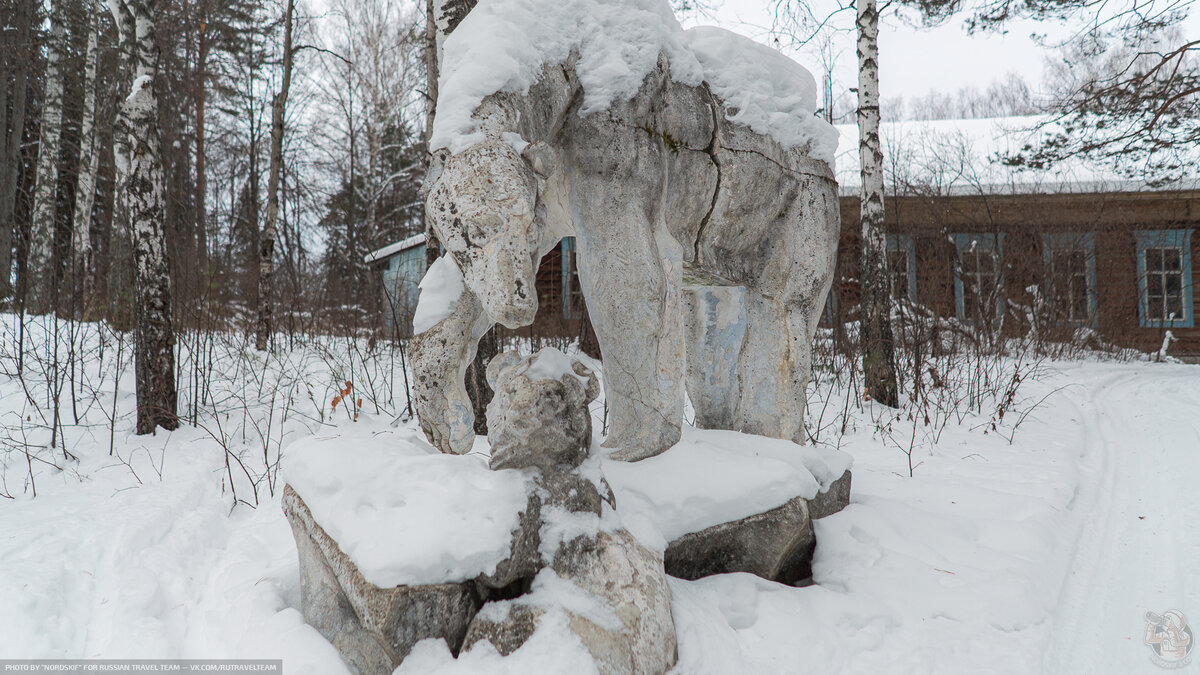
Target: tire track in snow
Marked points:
1137	498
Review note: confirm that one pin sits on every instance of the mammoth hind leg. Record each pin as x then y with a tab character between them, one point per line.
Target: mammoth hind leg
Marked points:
774	366
747	361
714	332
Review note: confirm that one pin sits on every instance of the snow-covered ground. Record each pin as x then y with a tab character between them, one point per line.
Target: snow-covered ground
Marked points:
1039	556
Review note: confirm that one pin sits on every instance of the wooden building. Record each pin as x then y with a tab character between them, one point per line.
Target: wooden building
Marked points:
1076	247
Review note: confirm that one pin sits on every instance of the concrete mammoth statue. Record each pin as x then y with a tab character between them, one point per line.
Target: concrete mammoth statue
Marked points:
705	252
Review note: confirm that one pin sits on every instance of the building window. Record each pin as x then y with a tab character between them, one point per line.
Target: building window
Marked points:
830	313
1164	259
572	291
1070	259
978	279
902	263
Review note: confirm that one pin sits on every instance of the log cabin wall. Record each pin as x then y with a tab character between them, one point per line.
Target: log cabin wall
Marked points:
1107	227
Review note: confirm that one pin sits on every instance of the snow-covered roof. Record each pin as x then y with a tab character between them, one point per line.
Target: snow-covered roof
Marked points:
393	249
502	45
961	157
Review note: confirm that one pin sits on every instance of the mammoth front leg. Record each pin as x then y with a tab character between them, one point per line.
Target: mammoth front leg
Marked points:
440	357
631	281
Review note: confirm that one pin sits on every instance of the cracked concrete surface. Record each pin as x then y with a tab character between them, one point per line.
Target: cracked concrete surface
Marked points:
658	188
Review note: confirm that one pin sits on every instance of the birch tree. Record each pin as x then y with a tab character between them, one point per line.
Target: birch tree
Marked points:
120	272
201	105
879	363
7	166
154	335
39	289
16	60
267	241
89	166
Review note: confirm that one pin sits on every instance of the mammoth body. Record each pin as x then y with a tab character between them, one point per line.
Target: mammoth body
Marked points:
694	235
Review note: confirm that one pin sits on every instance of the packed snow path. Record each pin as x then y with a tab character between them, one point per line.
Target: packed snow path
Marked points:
1042	556
1138	550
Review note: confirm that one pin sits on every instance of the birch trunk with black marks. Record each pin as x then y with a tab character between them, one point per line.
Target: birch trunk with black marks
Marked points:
7	164
17	60
431	69
40	288
120	272
876	343
154	334
201	188
89	166
266	268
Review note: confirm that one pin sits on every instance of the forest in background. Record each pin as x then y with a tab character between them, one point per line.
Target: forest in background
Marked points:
351	163
351	160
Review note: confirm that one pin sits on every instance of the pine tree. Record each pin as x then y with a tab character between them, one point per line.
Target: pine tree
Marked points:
1127	86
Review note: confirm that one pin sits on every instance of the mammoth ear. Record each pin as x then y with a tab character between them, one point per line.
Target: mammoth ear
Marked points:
437	161
541	158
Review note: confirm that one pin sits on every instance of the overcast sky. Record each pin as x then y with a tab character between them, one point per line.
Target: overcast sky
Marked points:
913	61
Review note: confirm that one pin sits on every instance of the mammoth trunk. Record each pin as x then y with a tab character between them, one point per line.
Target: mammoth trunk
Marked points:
511	297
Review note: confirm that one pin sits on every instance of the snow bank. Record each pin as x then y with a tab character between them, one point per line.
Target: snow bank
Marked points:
1039	556
553	648
955	570
404	512
713	477
441	287
502	45
550	364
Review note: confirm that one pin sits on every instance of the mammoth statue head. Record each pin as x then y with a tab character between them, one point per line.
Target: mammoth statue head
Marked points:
482	204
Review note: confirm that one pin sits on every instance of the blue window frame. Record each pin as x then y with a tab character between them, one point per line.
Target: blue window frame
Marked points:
902	263
572	292
1070	259
1164	260
978	274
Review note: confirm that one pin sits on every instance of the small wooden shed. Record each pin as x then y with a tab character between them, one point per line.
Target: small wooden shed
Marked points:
560	298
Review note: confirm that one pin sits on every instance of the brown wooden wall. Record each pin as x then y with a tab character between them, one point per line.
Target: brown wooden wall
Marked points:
1022	219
